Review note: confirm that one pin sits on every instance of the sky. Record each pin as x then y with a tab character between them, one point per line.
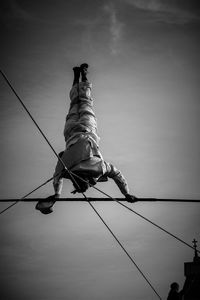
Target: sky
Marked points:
144	68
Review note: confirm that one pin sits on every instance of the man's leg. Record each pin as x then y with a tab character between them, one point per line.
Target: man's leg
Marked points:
76	75
81	116
72	116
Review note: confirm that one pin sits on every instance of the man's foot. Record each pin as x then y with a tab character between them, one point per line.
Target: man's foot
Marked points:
76	70
84	66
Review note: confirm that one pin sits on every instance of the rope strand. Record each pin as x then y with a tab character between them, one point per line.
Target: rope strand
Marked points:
41	185
38	127
159	227
1	212
36	124
146	219
122	247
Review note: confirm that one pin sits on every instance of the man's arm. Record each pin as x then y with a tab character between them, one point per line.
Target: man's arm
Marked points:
116	175
46	205
58	184
58	180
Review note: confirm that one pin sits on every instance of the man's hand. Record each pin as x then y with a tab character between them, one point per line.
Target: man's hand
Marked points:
56	196
131	198
45	206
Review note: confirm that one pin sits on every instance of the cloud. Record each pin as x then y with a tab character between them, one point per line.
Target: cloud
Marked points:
112	25
153	5
115	28
11	11
171	12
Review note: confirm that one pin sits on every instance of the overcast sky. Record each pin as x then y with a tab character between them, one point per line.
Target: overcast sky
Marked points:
144	67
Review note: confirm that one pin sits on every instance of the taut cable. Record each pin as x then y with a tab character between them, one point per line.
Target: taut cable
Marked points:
122	247
41	185
38	127
146	219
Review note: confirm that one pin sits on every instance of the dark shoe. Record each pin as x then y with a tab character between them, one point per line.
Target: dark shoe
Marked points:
84	66
76	75
76	70
84	71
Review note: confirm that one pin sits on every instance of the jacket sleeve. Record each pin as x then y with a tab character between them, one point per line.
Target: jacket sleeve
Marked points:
116	175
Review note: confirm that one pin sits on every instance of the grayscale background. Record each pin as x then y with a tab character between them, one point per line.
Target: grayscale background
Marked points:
144	67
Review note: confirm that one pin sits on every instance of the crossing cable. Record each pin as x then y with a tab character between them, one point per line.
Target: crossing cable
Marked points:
40	130
38	127
37	188
146	219
159	227
1	212
122	247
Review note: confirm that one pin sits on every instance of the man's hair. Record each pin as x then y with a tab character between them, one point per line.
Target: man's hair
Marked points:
174	285
61	154
82	183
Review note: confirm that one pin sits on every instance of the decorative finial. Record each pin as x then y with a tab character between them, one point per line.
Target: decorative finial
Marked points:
195	250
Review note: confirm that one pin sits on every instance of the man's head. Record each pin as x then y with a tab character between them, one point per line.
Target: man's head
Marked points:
82	183
61	154
174	286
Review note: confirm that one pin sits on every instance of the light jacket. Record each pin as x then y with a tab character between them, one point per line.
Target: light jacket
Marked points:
85	159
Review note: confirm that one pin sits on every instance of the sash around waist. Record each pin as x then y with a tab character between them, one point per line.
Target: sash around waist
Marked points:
83	149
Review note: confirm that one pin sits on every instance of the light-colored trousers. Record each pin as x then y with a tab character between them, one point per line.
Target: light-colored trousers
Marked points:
81	117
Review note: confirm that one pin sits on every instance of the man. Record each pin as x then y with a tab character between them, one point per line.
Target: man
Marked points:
82	156
174	293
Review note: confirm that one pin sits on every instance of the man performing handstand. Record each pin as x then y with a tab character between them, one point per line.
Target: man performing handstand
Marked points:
82	156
